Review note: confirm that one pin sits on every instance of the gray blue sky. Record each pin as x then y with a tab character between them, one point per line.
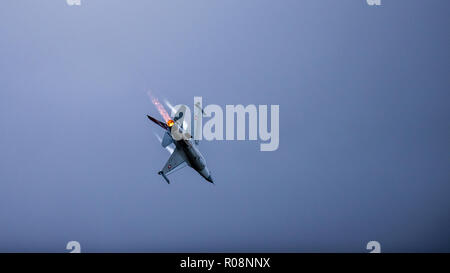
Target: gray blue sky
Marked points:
364	125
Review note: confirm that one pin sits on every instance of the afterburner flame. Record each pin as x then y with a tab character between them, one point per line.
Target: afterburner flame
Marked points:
170	123
161	109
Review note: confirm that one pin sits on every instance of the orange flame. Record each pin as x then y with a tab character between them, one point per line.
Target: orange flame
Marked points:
170	123
161	109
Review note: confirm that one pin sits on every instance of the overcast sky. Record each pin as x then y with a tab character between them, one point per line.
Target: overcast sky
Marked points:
364	125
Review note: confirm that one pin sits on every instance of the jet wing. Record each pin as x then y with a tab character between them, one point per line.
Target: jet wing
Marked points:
177	160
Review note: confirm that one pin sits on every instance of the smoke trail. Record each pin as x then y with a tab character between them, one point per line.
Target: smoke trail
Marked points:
168	104
159	107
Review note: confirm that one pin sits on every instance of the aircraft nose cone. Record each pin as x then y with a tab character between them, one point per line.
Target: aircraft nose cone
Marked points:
210	179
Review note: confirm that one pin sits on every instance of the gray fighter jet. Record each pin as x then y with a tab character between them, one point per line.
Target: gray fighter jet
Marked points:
185	153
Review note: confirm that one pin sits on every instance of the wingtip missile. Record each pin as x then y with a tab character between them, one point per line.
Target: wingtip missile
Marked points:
164	176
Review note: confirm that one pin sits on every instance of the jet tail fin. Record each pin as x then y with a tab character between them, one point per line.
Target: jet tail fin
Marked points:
160	123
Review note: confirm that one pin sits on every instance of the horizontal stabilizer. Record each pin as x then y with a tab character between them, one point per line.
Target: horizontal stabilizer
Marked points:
167	140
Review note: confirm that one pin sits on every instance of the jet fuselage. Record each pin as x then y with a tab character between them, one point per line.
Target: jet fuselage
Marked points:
194	157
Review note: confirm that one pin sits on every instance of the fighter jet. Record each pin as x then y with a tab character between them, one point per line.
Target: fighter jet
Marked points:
186	152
